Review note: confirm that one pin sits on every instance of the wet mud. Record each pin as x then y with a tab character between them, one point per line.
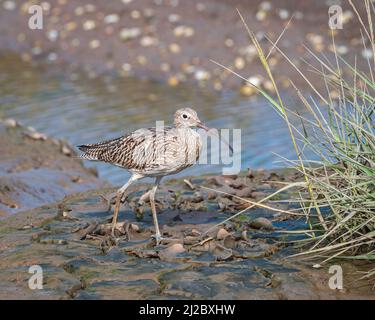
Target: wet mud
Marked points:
36	170
241	259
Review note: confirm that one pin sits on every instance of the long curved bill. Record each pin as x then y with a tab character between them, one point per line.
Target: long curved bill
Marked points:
202	126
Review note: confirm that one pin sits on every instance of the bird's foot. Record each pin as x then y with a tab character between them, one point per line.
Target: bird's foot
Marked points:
160	240
107	243
120	230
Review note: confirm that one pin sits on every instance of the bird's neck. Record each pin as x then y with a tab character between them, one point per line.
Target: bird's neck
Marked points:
181	126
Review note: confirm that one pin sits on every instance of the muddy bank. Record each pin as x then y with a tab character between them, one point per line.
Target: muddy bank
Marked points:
37	170
239	260
173	41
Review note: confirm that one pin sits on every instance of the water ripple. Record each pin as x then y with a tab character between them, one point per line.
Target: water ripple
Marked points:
87	111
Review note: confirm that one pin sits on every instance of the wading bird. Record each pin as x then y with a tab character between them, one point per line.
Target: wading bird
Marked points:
154	152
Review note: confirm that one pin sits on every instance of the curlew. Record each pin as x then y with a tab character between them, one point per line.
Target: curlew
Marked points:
152	152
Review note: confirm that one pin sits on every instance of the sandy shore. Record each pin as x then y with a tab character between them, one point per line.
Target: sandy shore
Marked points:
36	170
173	41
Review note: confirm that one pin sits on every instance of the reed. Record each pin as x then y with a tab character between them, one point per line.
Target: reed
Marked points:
337	195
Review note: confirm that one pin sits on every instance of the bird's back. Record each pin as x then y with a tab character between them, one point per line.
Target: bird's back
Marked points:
151	152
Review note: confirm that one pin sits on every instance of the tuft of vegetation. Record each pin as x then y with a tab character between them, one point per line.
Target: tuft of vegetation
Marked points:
337	196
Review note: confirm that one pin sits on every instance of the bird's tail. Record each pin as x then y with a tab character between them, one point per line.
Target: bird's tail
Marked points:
89	152
97	151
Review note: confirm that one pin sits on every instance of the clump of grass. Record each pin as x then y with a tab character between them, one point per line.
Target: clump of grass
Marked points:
338	193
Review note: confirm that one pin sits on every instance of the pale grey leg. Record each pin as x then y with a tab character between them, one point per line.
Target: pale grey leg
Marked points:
153	209
120	193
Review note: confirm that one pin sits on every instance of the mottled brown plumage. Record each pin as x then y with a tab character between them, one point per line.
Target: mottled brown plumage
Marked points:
153	152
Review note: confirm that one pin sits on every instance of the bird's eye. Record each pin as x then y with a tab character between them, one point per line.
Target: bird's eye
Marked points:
184	116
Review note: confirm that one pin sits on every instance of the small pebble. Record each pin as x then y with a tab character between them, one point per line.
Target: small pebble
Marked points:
367	53
9	5
255	80
79	11
46	6
148	13
10	123
75	42
265	5
245	192
201	75
173	18
142	60
221	234
200	7
111	18
173	81
89	25
284	14
346	16
239	63
75	179
94	44
134	227
195	232
126	67
268	85
165	67
342	50
211	196
35	135
261	223
52	35
129	33
174	48
247	90
27	227
261	15
65	150
258	194
174	249
229	42
183	31
298	15
229	241
244	235
90	7
135	14
148	41
70	26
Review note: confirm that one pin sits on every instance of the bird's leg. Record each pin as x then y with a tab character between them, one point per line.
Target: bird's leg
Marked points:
153	209
116	211
120	193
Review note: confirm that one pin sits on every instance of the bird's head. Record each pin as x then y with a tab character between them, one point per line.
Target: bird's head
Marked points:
187	118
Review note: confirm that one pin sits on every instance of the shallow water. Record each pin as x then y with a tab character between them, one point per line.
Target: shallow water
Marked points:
90	110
